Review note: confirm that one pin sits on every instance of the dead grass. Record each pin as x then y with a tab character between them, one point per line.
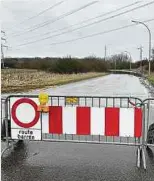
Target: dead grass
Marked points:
19	80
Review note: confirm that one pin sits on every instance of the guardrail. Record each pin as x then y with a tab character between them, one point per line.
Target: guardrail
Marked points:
135	73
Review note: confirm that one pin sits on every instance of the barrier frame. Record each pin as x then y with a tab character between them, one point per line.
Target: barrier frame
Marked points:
140	143
147	104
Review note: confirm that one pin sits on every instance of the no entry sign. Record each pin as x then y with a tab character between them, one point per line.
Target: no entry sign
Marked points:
20	122
25	119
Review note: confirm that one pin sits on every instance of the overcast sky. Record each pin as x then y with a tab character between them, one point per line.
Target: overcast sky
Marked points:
15	13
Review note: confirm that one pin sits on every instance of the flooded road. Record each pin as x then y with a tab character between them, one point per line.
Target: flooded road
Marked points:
45	161
110	85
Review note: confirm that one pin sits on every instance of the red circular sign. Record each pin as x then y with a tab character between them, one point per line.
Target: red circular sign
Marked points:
20	123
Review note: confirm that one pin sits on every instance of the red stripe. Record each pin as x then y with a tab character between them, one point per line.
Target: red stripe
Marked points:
138	122
83	120
55	119
111	121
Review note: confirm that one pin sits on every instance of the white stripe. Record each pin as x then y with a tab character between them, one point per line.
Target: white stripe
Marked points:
126	122
45	122
97	121
69	120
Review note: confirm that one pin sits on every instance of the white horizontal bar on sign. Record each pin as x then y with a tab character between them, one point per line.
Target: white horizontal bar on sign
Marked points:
26	134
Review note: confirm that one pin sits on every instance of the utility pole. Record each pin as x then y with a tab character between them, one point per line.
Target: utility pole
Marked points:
2	57
3	46
150	36
141	59
115	64
130	59
153	53
105	52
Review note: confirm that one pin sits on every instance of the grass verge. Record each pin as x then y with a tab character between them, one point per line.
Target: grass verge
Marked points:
151	79
22	80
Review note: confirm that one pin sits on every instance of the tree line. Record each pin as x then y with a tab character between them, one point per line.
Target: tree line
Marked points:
75	65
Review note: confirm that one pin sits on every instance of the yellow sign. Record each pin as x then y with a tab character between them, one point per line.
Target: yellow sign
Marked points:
72	100
43	99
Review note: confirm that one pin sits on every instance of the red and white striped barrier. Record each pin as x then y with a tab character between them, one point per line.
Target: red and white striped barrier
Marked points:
94	121
107	121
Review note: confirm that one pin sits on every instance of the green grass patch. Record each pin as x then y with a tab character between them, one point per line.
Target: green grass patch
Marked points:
151	79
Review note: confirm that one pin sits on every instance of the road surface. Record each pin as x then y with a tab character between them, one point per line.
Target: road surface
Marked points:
46	161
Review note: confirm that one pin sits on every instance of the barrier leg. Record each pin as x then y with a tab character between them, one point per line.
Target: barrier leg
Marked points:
138	157
143	157
148	117
143	138
7	132
8	145
7	148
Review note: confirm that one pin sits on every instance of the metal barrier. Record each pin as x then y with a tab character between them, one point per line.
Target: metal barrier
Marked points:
84	119
4	122
149	121
2	111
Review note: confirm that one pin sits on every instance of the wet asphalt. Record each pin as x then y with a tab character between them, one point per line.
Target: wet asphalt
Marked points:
49	161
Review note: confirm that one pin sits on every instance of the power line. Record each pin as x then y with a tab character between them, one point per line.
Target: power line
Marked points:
138	7
3	39
100	33
40	13
128	46
102	15
44	11
64	15
96	22
56	19
97	34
